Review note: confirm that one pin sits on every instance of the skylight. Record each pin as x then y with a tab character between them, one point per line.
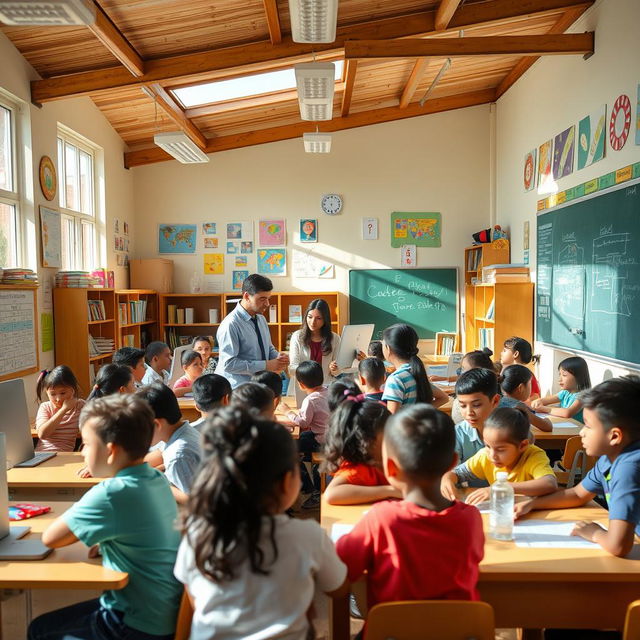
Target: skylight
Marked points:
244	87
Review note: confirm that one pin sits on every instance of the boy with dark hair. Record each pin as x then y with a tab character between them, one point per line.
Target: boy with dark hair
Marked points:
131	516
182	452
272	380
158	358
612	431
256	397
371	377
134	359
425	546
210	391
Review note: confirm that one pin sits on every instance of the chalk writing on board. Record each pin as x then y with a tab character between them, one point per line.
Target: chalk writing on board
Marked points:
545	270
17	332
569	279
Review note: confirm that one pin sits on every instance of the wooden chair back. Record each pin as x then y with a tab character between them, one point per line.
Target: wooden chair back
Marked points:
576	462
632	622
185	613
431	620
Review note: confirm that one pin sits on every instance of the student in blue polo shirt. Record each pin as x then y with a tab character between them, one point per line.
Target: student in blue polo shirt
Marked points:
611	430
131	515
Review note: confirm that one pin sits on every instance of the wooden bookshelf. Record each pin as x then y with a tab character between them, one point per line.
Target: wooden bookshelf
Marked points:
143	331
73	328
512	313
482	255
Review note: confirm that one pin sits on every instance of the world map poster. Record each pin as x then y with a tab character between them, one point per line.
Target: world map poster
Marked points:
272	262
177	238
420	229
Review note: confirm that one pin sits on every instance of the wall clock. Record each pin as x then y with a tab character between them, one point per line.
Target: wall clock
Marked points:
331	204
48	181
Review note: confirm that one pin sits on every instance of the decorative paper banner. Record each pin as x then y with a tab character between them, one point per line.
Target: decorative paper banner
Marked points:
422	229
369	228
620	122
272	233
638	117
308	230
530	170
545	153
306	265
591	137
408	252
51	234
563	152
272	262
177	238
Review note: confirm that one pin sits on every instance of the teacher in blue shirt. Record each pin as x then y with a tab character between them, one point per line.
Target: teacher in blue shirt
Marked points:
243	337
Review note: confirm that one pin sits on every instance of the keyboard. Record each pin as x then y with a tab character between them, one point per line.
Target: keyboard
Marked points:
37	459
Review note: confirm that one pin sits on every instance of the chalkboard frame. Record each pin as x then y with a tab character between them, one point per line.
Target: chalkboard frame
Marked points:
452	269
594	355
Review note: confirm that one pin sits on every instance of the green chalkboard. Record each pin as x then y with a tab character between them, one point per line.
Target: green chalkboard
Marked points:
427	299
588	284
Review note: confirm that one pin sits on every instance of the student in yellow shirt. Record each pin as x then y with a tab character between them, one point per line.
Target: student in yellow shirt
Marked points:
507	448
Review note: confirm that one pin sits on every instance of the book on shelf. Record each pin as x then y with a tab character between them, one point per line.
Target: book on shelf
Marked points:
499	278
445	343
128	340
180	316
137	311
491	311
505	273
485	337
473	259
99	345
273	313
172	316
123	316
295	313
96	310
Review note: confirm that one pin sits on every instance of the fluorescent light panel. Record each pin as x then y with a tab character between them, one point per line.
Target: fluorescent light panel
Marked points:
315	82
54	13
313	20
317	142
181	147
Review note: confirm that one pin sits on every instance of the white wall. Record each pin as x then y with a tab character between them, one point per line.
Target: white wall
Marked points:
554	94
39	139
432	163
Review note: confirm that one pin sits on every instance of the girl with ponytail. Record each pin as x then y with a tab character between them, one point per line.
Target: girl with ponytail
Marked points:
408	384
248	567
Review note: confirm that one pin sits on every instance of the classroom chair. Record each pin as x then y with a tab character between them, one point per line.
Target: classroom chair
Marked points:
431	620
185	613
176	364
317	457
575	461
632	622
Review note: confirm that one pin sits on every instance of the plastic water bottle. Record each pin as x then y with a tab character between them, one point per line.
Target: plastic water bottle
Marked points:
501	512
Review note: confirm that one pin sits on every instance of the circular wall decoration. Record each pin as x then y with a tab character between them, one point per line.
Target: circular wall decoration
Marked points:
620	122
529	171
48	180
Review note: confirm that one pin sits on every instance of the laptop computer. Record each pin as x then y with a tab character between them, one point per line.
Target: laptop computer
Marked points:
354	338
11	547
14	423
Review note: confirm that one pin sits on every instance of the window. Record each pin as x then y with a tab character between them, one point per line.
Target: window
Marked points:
76	177
9	189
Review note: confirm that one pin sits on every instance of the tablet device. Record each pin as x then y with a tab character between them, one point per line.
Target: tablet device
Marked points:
354	338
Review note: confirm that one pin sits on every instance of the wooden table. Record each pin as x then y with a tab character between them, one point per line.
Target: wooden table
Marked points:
556	439
537	588
188	409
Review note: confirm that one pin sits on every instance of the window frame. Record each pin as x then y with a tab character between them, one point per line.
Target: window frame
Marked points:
78	218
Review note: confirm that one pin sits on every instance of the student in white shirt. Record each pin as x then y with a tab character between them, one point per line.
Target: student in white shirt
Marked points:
158	359
259	584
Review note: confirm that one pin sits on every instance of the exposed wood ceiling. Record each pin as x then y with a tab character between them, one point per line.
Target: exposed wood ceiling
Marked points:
394	51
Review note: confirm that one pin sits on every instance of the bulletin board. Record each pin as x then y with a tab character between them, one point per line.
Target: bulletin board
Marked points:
18	332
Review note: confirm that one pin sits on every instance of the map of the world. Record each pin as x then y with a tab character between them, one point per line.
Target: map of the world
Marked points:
177	238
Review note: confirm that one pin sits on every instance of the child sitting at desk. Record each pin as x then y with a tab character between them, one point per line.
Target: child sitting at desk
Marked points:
506	436
272	380
371	377
256	397
158	358
250	570
518	351
424	546
611	431
191	362
134	359
515	382
131	516
112	378
204	346
375	351
353	453
58	418
210	391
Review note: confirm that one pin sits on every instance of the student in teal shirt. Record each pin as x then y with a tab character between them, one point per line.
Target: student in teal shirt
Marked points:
131	515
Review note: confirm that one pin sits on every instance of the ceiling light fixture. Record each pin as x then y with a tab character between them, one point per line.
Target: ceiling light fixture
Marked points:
52	13
181	147
315	82
313	20
317	142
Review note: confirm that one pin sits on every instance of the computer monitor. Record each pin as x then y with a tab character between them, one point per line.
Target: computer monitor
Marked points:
14	423
354	338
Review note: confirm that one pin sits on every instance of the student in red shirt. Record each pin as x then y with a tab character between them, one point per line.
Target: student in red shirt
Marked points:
518	351
423	547
353	452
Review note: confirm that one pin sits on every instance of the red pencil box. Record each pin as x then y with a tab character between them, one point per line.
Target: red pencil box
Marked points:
24	510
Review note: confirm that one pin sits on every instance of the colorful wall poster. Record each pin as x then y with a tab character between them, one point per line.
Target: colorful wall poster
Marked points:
369	228
638	116
213	264
272	233
211	243
240	261
620	122
591	137
51	234
306	265
421	229
408	253
239	231
563	151
246	247
209	228
237	278
530	170
308	230
177	238
545	153
46	331
233	246
272	262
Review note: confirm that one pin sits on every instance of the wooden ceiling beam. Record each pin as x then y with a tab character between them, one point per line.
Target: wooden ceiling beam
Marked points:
563	23
175	112
287	132
260	56
273	20
554	44
417	72
116	43
445	12
349	82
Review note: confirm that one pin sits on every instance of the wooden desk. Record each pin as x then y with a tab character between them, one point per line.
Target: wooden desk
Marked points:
556	439
538	588
188	409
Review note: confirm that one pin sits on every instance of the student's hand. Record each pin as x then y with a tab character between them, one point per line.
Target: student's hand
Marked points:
84	472
537	403
283	407
522	508
360	355
94	552
69	404
448	487
540	408
479	495
276	365
586	530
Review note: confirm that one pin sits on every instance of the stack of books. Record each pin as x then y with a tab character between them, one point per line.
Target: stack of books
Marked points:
485	337
103	278
20	276
473	259
498	273
96	310
79	279
100	345
132	312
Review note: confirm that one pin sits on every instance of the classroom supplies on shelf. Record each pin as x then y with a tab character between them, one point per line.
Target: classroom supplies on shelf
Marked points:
20	276
75	279
505	273
295	313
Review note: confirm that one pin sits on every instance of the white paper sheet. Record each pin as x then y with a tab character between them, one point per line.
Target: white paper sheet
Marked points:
339	530
545	534
564	425
443	383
